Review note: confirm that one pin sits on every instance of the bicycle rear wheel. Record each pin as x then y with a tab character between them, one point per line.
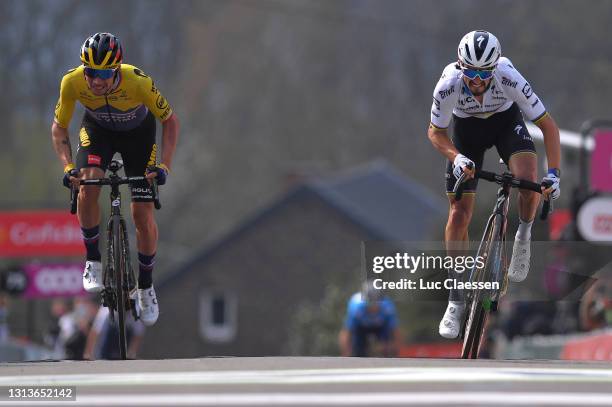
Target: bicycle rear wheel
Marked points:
479	306
119	272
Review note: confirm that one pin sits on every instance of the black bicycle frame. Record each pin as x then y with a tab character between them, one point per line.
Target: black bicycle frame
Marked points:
118	276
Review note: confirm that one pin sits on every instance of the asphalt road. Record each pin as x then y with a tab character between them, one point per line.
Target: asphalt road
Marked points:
286	381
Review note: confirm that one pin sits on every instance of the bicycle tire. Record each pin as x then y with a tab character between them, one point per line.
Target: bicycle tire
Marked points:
478	312
119	266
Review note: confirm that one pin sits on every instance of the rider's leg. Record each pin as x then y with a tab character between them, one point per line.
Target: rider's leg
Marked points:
138	151
456	237
93	156
88	212
146	241
456	233
523	165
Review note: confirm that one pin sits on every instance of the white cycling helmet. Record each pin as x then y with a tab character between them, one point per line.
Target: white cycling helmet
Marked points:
479	49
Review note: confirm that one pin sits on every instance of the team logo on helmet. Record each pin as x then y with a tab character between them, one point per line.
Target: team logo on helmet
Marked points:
479	49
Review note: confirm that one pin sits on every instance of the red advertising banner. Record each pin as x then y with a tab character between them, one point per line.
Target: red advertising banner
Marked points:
601	162
598	347
40	233
54	280
431	350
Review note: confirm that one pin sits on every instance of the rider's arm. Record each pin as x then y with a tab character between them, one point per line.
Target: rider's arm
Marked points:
61	144
439	138
445	97
533	109
551	140
170	130
159	106
63	113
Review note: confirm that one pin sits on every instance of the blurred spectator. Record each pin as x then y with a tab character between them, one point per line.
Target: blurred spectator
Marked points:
103	342
528	318
370	318
596	305
4	329
74	328
52	332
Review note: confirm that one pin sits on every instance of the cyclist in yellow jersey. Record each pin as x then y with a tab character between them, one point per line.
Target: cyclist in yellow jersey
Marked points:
121	103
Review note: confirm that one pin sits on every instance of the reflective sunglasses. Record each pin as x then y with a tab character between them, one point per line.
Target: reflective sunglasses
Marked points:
473	73
99	73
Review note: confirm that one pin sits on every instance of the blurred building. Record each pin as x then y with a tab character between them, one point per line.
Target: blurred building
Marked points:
238	296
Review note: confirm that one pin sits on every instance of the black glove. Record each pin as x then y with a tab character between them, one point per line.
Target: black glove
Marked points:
162	173
70	173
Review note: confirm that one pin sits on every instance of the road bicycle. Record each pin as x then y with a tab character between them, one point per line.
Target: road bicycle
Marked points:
480	302
118	279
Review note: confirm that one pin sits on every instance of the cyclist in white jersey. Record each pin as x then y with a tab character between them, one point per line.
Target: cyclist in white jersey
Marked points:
484	94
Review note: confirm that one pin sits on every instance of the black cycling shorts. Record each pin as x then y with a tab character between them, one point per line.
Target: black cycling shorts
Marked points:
473	136
137	147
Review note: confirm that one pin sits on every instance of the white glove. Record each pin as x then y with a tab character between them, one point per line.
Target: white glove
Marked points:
556	181
460	163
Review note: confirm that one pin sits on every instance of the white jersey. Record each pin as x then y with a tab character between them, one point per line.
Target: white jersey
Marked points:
452	96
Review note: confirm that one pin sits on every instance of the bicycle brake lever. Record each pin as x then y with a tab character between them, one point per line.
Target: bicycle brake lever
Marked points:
74	195
458	188
547	206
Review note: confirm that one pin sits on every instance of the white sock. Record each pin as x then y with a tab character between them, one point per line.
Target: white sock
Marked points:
524	230
458	304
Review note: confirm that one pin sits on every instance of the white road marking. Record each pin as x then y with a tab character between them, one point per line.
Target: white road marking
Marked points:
318	376
343	399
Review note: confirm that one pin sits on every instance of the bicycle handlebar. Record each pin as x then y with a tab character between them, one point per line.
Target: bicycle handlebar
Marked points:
511	181
113	180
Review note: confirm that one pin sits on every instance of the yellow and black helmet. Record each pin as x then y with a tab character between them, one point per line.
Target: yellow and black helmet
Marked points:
102	51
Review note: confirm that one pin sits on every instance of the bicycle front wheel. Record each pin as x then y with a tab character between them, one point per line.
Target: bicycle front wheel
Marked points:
119	264
479	307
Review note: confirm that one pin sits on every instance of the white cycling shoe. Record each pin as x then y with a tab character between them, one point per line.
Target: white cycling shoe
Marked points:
519	265
92	276
147	303
452	319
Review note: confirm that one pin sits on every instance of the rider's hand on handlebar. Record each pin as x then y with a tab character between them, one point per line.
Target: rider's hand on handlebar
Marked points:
554	190
160	172
71	177
461	165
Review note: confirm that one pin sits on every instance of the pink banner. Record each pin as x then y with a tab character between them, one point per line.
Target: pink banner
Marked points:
601	162
54	280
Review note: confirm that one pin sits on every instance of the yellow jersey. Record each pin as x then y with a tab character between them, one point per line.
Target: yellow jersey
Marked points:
134	94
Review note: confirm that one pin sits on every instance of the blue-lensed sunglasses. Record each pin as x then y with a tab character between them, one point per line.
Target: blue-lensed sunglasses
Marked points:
99	73
473	73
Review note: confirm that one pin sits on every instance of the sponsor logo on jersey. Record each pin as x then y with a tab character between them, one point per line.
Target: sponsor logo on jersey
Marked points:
518	129
436	103
447	92
527	91
140	73
94	159
165	114
161	102
84	137
508	82
153	156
